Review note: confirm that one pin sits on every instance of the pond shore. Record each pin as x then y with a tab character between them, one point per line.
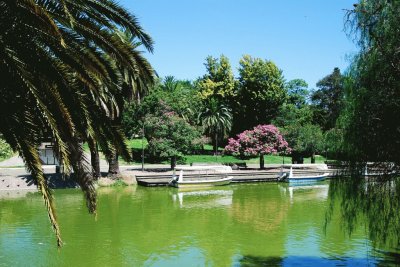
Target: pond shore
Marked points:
17	178
14	177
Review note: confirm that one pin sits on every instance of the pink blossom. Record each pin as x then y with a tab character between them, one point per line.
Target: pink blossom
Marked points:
263	139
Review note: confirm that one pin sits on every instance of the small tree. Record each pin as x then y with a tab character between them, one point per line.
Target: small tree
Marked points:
170	136
305	140
310	140
262	140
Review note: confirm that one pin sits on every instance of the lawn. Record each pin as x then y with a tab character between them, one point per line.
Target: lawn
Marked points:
136	143
269	159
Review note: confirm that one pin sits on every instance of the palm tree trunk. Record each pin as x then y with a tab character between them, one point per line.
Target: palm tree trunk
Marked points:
94	159
113	168
261	161
216	144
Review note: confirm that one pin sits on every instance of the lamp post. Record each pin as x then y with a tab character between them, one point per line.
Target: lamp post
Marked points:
143	147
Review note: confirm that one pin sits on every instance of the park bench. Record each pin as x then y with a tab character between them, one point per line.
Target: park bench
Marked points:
237	165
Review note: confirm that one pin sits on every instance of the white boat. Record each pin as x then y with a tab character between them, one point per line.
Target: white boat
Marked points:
201	176
289	177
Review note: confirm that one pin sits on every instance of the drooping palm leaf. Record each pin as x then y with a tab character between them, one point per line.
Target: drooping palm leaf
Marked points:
62	65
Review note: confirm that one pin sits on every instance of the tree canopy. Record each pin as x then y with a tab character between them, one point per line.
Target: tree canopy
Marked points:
61	65
261	140
372	90
328	99
298	92
216	120
261	92
218	82
170	136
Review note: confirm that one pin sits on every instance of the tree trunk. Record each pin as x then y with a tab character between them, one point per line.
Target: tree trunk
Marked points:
313	157
173	162
261	161
216	144
94	159
113	168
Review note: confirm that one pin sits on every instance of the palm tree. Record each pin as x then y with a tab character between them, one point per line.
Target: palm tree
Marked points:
170	84
216	120
136	82
54	74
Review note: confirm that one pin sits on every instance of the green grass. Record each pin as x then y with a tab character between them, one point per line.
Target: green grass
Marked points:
137	143
269	159
228	159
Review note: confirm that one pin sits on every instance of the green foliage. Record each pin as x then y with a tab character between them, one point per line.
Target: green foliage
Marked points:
298	92
5	150
372	90
219	82
377	203
305	139
169	136
334	143
66	71
260	94
216	120
328	99
179	96
309	139
291	115
295	121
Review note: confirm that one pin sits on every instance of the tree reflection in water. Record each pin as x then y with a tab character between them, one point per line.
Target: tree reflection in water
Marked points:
249	261
374	202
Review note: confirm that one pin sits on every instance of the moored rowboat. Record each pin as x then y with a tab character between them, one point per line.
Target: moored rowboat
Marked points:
201	176
289	177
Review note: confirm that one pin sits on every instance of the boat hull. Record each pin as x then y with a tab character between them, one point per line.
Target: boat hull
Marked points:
307	179
201	183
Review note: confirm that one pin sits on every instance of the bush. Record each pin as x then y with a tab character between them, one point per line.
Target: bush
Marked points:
5	150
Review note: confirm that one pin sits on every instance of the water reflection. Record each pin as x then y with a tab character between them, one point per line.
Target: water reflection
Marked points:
211	198
372	205
375	203
304	192
239	225
253	261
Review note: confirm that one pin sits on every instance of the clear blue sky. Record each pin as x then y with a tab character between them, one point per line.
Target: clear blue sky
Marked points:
305	39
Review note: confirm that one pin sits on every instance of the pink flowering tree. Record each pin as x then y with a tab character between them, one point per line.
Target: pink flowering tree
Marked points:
262	140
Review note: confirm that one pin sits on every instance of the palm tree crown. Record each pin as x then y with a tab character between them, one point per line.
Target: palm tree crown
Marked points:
216	120
57	78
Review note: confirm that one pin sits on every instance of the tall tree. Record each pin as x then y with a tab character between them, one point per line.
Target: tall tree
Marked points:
261	93
53	76
373	95
218	82
137	78
298	92
328	99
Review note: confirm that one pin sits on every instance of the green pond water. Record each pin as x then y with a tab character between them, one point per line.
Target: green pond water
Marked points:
236	225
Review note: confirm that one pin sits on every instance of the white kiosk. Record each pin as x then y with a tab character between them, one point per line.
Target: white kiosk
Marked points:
48	157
